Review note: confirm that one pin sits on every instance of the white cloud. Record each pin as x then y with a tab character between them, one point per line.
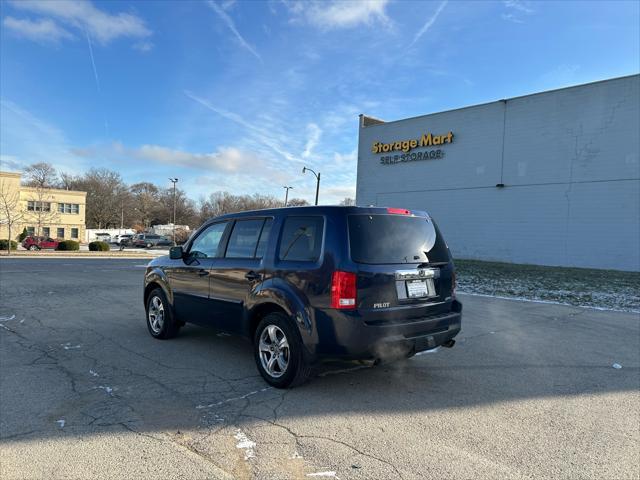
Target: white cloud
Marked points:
314	133
343	158
224	16
261	135
227	159
333	195
43	30
521	6
516	10
429	23
340	13
83	15
144	46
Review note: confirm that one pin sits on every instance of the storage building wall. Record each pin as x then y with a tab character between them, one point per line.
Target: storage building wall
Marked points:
569	161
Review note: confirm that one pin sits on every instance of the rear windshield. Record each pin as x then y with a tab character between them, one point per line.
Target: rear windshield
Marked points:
381	239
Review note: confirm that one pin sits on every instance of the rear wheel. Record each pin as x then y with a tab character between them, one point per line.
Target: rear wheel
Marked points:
278	352
160	320
33	248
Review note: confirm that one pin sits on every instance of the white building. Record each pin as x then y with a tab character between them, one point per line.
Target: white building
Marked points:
551	178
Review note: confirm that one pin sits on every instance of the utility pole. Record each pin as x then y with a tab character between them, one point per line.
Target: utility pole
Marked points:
286	195
317	175
174	181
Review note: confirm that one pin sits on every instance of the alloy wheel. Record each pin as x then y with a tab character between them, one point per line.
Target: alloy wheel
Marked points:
274	351
156	314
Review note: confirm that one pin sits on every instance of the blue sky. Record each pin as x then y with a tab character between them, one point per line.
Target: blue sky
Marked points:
238	96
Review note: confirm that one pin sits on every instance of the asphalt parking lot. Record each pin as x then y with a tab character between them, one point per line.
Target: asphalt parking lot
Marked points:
529	391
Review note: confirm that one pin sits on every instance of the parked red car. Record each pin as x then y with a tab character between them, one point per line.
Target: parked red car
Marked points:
38	243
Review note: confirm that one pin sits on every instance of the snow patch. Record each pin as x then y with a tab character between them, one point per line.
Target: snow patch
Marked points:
617	366
60	423
68	346
245	444
109	390
234	399
93	374
6	319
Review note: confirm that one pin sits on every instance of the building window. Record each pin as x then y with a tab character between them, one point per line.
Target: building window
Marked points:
69	208
60	232
34	206
46	232
74	233
31	231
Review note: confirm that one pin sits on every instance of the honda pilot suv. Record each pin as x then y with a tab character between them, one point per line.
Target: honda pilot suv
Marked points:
307	284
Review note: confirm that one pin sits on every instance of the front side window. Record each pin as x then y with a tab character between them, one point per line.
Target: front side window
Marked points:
244	238
60	233
301	239
206	244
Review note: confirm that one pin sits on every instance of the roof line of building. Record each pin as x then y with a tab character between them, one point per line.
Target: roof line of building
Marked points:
383	122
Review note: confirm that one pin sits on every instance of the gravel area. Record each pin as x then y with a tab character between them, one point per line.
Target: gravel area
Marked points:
606	289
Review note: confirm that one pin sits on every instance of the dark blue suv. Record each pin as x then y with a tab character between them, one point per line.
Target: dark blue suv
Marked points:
311	283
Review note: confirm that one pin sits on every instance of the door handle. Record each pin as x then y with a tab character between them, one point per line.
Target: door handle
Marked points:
203	273
252	276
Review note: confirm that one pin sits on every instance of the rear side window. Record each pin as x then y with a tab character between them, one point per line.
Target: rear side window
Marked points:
206	244
385	239
264	238
301	239
244	238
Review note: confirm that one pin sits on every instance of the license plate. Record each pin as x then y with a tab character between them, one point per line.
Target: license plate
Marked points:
420	288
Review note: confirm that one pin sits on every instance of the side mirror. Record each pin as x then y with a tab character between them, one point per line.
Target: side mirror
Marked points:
176	253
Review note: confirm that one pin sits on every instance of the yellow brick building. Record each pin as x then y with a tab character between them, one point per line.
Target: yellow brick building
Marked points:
49	212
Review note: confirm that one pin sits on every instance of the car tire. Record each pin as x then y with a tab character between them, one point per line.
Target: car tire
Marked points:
161	322
149	245
281	366
33	248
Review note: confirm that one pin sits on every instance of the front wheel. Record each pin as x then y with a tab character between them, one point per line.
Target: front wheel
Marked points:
278	352
160	320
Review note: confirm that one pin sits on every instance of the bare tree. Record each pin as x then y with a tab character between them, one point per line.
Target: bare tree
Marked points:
348	202
11	212
220	203
40	208
106	194
40	175
297	202
145	201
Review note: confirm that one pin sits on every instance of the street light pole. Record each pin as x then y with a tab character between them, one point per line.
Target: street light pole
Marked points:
317	175
286	195
174	181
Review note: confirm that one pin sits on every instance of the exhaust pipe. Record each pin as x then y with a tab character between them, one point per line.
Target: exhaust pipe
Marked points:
449	343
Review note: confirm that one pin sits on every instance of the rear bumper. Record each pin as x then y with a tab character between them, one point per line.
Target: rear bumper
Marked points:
347	336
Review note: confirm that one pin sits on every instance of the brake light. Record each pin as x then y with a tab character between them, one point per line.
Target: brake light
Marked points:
398	211
343	290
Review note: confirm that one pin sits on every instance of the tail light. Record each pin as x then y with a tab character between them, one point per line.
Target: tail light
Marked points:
343	290
453	284
398	211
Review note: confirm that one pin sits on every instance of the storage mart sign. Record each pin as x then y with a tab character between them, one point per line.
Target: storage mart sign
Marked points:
404	148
